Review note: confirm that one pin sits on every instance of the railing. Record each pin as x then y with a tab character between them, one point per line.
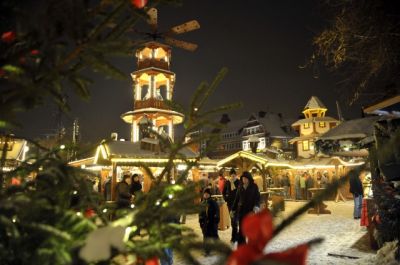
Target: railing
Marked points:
152	63
150	103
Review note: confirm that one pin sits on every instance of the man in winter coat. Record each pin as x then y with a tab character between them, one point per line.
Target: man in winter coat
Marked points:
209	217
356	189
123	194
247	201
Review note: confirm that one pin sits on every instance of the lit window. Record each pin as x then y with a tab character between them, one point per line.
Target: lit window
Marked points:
322	124
306	145
306	125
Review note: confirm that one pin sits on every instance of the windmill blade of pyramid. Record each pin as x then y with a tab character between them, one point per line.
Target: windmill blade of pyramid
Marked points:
152	19
185	27
181	44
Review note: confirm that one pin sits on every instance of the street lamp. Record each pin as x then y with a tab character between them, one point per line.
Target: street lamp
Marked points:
253	141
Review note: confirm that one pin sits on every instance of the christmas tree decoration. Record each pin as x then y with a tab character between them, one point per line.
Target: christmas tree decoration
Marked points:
8	36
139	3
258	228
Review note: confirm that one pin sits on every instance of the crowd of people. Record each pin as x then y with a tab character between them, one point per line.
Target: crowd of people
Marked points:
242	196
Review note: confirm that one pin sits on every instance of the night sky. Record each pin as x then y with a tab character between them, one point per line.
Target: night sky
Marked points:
262	43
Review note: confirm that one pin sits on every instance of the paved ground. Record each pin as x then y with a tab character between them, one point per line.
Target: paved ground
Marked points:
343	236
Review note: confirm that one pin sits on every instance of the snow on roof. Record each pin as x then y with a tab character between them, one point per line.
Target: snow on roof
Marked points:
358	128
273	124
125	149
314	119
314	103
234	126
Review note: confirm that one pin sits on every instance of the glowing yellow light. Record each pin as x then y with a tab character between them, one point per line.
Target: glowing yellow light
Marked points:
132	206
104	210
128	231
14	219
158	202
79	214
170	196
62	147
75	192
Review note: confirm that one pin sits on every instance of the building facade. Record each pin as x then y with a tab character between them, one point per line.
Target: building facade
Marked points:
271	130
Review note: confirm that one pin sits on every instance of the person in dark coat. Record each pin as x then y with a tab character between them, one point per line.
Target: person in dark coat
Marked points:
235	183
123	194
209	217
136	186
356	189
247	201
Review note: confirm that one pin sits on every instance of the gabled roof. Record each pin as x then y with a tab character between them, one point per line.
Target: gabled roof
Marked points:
314	103
234	126
352	129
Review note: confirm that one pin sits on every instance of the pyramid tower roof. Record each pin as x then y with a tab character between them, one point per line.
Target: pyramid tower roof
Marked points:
314	103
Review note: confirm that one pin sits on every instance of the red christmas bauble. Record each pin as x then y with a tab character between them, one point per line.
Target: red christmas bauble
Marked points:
8	36
139	3
35	52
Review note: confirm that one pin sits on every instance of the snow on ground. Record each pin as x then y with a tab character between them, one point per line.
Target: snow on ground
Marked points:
343	236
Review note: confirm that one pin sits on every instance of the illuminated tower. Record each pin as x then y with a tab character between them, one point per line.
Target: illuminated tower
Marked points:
153	84
314	124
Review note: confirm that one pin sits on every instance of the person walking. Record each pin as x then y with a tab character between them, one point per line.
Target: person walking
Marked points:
235	183
209	218
247	201
123	194
285	183
356	189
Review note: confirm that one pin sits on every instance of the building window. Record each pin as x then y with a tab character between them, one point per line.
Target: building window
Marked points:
306	145
322	124
306	125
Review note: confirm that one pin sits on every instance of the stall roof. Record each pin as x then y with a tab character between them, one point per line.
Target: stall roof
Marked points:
131	152
319	162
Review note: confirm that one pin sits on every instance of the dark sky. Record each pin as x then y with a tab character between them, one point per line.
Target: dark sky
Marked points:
262	43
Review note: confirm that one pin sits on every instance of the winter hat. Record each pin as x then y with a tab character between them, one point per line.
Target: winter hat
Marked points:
247	174
207	190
